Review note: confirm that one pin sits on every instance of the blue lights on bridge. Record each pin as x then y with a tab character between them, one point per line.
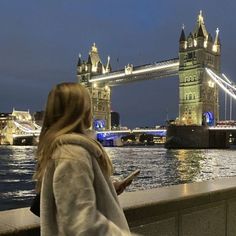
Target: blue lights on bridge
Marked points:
209	118
111	135
99	124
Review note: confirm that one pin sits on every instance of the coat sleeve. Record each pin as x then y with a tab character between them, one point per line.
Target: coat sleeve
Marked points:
76	200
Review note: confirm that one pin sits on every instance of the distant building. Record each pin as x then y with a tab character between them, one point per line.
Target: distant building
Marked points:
18	128
115	120
21	115
38	117
4	118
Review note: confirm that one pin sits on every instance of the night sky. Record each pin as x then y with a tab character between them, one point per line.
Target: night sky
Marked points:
40	42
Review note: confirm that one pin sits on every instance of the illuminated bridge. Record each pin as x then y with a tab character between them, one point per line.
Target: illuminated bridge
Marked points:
135	136
20	129
130	74
197	66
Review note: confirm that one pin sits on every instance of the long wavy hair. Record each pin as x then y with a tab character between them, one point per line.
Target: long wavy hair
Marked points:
68	110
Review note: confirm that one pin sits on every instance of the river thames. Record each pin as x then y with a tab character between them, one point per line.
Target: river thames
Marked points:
159	167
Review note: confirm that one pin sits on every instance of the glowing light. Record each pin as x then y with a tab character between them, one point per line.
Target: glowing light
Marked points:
95	85
27	130
99	124
227	82
220	82
149	68
94	68
128	69
107	88
209	117
223	128
148	130
200	17
226	78
94	48
214	48
107	77
211	84
156	68
185	44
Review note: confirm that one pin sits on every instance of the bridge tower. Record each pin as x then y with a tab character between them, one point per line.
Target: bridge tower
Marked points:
198	94
100	92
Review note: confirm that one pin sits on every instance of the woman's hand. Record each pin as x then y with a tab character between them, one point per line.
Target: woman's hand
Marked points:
121	185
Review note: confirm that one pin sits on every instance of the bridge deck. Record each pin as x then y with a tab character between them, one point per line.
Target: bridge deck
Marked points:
157	70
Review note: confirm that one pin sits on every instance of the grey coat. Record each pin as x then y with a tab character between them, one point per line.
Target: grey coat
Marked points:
76	198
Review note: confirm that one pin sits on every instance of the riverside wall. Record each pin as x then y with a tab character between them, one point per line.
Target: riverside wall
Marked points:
197	209
197	137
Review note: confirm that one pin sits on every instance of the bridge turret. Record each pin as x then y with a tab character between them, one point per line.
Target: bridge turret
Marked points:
79	61
107	69
100	92
198	96
182	40
217	44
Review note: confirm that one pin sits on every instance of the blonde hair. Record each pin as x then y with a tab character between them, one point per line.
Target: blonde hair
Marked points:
68	110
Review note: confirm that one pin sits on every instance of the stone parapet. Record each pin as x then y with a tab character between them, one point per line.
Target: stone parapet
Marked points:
205	208
198	209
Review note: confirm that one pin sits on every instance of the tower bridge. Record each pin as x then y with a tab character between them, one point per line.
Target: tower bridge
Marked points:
198	69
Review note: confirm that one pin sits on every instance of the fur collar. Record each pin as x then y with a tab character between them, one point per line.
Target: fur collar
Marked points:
88	143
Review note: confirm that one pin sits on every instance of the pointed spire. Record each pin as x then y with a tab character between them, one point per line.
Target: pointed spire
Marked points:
108	66
200	32
200	22
79	61
217	38
94	48
89	60
200	18
216	45
182	35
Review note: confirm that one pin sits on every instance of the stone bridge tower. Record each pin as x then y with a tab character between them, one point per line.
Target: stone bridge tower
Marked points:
100	92
198	94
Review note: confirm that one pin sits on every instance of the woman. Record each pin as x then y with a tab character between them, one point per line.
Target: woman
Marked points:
73	171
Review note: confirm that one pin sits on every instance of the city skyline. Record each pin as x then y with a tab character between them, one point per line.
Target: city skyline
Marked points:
41	41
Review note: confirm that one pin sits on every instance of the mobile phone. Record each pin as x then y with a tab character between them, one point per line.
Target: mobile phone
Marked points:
131	176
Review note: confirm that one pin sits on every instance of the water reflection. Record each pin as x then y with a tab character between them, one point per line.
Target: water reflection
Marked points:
188	164
159	167
16	170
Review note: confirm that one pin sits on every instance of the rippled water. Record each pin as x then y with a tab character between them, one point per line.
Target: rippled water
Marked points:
159	167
